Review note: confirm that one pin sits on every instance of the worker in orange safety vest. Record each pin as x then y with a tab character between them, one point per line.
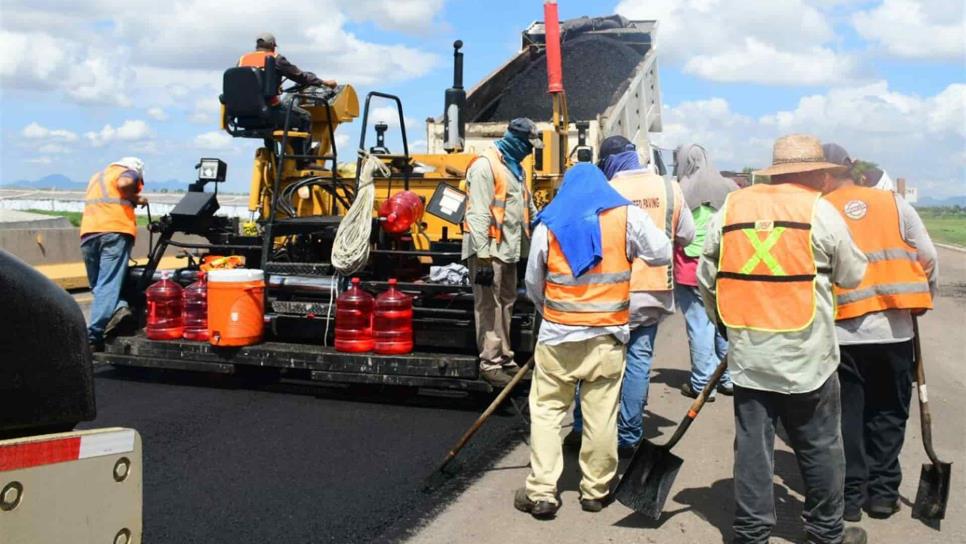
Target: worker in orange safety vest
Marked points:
874	325
496	227
772	255
108	228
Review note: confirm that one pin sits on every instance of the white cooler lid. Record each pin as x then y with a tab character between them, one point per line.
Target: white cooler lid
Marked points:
236	275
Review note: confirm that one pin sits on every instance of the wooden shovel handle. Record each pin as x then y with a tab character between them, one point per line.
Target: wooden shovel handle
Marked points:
925	417
698	404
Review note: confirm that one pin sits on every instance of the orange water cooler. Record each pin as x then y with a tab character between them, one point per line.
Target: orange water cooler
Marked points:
236	307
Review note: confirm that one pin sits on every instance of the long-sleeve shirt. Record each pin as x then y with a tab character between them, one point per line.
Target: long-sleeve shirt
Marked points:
650	307
790	362
477	240
644	241
293	73
891	326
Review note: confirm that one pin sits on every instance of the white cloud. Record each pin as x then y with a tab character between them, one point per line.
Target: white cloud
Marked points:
40	160
775	42
158	114
916	29
54	149
36	131
205	110
214	140
910	136
129	131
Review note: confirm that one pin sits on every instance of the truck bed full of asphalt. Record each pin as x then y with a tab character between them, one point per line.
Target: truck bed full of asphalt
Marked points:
223	463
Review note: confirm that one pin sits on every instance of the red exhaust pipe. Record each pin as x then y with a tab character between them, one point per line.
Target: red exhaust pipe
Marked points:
551	21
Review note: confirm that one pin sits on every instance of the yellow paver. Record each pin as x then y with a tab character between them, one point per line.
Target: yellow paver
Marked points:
74	275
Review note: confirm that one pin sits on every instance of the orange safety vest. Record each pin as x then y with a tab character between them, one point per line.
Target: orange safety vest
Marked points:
894	279
498	204
600	297
662	200
256	59
766	267
104	209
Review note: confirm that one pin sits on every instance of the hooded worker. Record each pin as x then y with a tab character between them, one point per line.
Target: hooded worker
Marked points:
495	226
705	190
772	256
874	326
652	295
108	228
579	277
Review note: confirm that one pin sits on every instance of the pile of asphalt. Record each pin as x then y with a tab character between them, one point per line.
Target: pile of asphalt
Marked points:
595	69
224	464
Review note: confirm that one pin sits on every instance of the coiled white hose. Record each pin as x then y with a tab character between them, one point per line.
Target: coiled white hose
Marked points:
350	251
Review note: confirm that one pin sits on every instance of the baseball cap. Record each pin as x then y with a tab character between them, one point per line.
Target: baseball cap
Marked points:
525	128
265	39
613	145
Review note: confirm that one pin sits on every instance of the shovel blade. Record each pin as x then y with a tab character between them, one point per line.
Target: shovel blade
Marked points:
647	481
933	492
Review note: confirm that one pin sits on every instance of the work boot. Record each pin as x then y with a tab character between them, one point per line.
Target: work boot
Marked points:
596	505
495	377
727	390
542	510
512	368
852	513
882	509
573	440
854	535
688	391
122	322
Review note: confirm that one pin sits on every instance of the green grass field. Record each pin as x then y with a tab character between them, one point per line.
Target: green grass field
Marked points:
75	217
946	225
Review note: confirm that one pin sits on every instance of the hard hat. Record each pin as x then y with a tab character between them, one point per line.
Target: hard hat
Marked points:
265	39
525	128
132	163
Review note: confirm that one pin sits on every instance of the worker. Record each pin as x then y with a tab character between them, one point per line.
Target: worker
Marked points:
770	259
579	277
705	190
107	232
301	120
496	224
652	297
875	333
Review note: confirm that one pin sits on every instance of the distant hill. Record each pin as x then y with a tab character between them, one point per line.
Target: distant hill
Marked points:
930	202
61	182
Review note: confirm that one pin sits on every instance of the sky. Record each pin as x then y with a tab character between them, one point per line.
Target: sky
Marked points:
96	80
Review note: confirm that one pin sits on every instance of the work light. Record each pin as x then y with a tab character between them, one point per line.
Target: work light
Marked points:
211	170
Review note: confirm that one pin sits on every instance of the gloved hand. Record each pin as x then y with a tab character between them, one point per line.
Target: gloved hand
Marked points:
484	276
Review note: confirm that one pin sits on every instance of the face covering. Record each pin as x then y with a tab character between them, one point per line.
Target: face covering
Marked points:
514	149
619	162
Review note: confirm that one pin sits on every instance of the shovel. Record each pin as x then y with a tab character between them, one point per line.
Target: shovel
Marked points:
933	490
645	485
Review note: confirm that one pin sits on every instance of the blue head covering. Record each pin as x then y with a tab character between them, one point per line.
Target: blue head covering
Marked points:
628	160
514	148
572	215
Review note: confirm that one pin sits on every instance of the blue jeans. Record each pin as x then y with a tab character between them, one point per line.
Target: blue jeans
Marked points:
708	347
105	257
637	378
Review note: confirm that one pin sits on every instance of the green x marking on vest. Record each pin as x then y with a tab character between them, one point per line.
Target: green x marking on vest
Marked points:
763	251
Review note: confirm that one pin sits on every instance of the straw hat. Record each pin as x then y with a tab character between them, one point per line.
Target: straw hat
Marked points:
798	153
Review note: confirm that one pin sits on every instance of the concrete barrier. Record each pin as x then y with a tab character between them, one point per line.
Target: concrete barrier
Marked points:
55	246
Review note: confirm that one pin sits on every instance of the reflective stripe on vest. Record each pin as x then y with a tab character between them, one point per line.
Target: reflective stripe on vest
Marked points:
662	200
894	279
601	296
256	59
766	266
104	209
498	205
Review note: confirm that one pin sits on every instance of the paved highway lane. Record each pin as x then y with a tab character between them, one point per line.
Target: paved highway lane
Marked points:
235	465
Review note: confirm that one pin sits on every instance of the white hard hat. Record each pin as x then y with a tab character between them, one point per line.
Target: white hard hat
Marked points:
132	163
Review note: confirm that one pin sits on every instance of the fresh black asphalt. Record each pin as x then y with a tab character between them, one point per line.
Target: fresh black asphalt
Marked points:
232	463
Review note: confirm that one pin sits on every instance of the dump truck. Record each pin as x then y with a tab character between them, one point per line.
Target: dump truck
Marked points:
299	199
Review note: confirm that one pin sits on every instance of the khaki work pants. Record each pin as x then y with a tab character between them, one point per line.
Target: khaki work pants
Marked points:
493	308
598	365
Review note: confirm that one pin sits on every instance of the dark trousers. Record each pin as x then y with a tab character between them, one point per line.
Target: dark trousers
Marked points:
876	391
812	421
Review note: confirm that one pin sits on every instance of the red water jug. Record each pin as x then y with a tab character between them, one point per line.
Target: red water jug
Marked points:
401	211
165	321
392	321
195	300
353	320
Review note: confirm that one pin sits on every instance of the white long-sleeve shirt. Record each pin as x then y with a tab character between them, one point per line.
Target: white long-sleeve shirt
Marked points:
891	326
644	241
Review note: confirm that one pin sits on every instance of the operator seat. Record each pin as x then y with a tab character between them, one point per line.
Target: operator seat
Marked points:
245	95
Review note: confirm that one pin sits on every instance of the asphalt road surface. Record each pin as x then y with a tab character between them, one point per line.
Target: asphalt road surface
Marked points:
234	463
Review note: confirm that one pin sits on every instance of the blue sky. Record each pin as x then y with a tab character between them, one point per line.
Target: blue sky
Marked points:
98	80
